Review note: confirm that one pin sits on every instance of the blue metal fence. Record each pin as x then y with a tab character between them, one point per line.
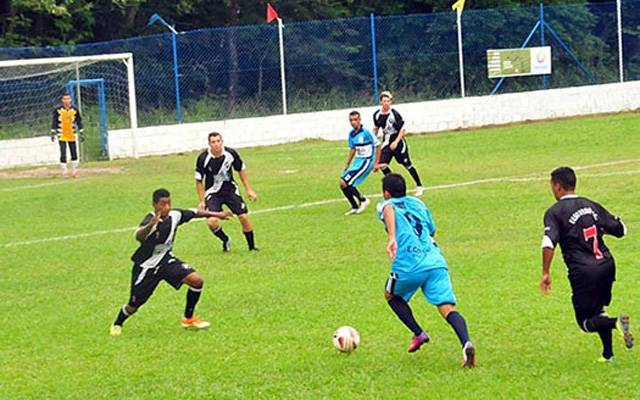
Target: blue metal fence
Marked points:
235	72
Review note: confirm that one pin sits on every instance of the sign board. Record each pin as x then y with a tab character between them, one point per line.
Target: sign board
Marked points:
519	62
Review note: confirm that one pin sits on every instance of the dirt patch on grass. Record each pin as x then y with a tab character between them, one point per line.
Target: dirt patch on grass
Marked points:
45	172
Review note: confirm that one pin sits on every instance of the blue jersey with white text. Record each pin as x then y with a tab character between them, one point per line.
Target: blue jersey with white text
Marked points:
414	229
364	142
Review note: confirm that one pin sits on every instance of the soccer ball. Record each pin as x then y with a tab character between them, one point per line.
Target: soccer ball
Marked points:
346	339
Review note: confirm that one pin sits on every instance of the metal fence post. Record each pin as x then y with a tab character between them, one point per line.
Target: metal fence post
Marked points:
374	58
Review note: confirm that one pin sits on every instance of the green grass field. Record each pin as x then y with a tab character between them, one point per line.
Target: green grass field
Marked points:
65	248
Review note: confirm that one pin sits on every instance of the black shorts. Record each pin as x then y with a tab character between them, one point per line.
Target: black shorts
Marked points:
145	281
232	200
591	290
401	154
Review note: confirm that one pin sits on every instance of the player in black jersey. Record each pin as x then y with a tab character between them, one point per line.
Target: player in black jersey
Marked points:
154	262
394	144
578	224
216	187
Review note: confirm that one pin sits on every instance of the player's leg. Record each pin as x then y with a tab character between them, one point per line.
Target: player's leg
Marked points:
590	316
214	203
398	292
143	284
177	273
353	177
347	190
63	158
73	148
402	157
247	230
237	206
385	158
438	291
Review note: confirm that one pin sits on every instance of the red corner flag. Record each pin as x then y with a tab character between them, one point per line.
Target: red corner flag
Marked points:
271	13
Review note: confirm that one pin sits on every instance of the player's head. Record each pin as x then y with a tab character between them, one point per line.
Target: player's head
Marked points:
563	180
66	100
215	142
393	185
162	202
355	119
386	94
386	98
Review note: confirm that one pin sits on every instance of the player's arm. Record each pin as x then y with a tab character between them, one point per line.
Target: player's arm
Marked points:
55	126
549	240
244	177
376	162
545	279
352	153
611	224
200	190
389	217
144	230
208	214
79	125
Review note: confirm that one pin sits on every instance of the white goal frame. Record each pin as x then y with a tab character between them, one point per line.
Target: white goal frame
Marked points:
127	60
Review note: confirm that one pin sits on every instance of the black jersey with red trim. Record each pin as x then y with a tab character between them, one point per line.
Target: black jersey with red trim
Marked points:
216	173
577	224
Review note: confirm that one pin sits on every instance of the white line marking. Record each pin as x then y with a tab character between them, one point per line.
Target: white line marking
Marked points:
323	202
13	189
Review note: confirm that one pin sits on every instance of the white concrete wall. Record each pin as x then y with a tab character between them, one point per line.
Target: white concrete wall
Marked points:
432	116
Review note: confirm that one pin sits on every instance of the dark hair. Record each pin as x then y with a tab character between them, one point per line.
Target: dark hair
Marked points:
160	194
395	185
213	134
65	94
352	113
565	177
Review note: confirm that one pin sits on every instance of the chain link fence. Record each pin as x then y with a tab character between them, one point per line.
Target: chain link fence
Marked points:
226	73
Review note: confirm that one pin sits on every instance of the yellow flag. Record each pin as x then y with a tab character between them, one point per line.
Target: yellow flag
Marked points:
458	5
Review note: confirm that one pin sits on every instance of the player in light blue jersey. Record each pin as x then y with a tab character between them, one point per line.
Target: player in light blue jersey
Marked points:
364	153
417	263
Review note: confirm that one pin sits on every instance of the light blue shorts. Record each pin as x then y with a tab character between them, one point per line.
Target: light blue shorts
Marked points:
435	284
357	171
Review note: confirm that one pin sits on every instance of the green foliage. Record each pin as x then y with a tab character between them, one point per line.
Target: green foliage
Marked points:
64	261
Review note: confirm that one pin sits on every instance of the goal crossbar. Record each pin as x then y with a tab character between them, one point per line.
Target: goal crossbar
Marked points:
65	60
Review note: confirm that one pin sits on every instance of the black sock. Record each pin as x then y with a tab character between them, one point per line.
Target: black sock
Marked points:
385	170
403	311
459	325
122	316
221	235
358	195
599	323
249	237
349	195
193	295
607	346
414	175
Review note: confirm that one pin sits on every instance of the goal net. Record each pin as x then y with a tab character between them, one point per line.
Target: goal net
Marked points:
101	87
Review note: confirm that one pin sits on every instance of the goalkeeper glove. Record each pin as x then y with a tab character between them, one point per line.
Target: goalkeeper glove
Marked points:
53	135
81	135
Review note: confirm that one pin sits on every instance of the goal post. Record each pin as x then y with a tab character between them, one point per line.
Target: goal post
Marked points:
30	89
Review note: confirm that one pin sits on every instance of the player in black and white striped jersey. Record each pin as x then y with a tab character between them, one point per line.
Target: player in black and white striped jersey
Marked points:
154	261
394	144
216	187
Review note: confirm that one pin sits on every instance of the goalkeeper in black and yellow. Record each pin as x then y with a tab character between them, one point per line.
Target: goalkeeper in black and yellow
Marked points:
66	126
